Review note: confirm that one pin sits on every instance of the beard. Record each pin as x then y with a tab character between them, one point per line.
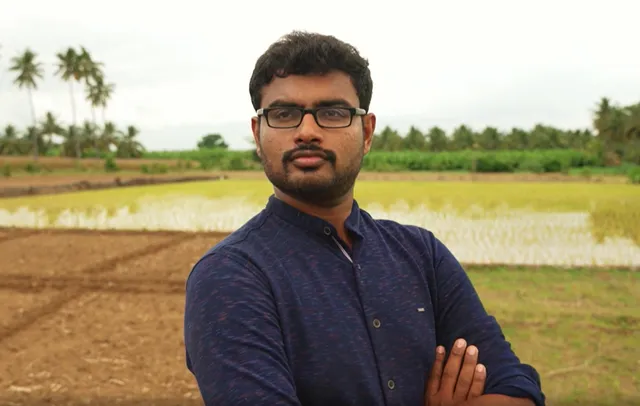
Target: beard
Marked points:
314	185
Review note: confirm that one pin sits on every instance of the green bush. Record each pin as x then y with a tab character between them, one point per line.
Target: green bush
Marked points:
155	168
634	175
32	168
110	165
480	161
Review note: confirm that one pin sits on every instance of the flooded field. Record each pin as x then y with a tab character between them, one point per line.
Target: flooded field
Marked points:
483	223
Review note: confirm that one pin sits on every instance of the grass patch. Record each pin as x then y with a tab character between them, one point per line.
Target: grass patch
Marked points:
578	328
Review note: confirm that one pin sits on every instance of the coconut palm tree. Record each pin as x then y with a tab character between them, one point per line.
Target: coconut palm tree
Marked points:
98	95
29	70
9	141
48	128
91	71
72	136
129	147
69	71
89	134
33	133
109	137
78	66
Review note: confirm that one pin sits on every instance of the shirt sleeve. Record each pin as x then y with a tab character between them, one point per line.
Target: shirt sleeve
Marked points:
461	314
233	341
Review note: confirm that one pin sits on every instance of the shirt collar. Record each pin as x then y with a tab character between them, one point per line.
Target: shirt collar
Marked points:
315	224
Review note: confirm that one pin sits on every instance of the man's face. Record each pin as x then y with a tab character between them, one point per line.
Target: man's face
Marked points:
318	180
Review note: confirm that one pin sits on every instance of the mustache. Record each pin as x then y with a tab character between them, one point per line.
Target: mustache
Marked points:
328	154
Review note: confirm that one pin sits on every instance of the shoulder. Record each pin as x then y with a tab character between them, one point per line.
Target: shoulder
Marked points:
414	239
232	257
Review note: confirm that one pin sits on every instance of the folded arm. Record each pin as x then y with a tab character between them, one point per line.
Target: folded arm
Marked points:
233	340
499	400
460	314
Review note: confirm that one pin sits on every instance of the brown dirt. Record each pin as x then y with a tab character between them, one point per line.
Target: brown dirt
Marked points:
104	345
69	254
16	303
58	163
165	265
83	325
69	178
94	184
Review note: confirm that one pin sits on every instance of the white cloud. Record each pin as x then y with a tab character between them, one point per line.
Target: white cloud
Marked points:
187	65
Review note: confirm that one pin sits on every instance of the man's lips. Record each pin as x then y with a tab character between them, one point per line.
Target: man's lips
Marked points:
308	158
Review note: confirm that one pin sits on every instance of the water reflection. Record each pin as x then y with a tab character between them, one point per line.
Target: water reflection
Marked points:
502	235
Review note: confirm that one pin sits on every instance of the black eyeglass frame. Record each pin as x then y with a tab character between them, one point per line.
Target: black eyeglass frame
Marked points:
353	111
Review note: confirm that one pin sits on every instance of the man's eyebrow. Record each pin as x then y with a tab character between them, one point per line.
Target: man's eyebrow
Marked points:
284	103
333	103
320	103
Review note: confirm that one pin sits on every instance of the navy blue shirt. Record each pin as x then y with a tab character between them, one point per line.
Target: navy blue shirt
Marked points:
281	312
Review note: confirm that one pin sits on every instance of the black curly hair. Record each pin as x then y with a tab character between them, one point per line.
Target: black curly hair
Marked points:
301	53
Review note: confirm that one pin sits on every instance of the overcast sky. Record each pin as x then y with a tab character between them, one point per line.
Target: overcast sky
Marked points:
182	67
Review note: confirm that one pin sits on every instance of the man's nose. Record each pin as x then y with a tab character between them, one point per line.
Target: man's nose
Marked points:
308	131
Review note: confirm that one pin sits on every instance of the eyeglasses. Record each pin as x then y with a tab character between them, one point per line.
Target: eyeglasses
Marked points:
326	117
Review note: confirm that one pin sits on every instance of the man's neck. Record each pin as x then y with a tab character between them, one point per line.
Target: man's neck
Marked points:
335	214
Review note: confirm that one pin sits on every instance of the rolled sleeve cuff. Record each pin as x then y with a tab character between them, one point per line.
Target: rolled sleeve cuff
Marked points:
520	387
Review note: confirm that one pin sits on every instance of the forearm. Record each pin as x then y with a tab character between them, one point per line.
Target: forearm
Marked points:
460	313
498	400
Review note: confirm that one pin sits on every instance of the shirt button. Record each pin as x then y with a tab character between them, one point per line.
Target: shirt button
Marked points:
391	384
376	323
327	231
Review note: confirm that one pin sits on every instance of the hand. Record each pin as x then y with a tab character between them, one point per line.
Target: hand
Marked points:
459	380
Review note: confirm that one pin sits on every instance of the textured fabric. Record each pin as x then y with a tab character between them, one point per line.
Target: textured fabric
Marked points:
277	314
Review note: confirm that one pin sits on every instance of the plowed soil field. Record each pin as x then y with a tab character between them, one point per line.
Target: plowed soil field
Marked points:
95	318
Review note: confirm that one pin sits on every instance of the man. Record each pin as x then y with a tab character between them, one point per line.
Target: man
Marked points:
313	302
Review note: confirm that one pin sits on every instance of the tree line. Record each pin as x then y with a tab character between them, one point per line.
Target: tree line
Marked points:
46	135
615	137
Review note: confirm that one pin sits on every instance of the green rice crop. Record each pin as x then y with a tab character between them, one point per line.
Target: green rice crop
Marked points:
506	222
458	196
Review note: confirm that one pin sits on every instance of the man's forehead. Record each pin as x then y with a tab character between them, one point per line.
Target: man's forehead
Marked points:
309	90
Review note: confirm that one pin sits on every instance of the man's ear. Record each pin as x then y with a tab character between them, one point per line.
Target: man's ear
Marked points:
255	129
368	130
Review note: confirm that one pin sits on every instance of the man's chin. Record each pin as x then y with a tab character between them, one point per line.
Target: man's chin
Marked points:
310	181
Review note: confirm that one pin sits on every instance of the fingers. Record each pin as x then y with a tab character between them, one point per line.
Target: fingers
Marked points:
433	384
466	374
452	368
479	379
